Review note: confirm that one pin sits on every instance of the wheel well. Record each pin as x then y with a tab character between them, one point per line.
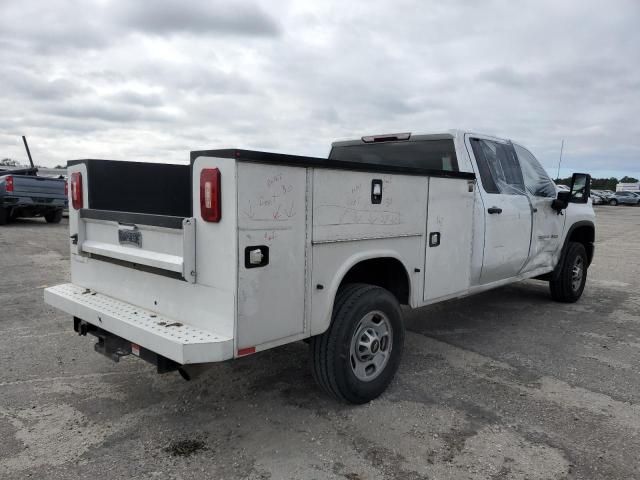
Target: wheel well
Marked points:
586	236
388	273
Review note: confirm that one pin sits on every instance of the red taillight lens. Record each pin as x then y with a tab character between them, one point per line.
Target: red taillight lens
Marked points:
210	208
8	183
76	190
66	188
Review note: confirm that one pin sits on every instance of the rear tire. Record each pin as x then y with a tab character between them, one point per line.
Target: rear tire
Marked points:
4	216
569	285
357	357
53	217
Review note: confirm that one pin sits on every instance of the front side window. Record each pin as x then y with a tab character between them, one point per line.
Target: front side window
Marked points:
498	166
536	180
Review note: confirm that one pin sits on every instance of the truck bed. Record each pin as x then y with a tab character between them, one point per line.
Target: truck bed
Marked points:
289	228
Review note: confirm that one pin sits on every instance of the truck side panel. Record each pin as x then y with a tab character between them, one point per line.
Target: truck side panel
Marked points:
349	228
272	251
343	207
449	237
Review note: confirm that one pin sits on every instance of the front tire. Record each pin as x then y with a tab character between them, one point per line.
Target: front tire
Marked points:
53	217
569	285
358	356
613	202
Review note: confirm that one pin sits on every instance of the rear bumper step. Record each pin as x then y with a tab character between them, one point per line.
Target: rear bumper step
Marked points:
167	337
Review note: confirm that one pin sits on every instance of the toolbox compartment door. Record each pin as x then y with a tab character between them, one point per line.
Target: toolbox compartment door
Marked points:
447	268
272	238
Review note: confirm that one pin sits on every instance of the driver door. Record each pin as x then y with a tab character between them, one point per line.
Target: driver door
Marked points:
507	211
548	223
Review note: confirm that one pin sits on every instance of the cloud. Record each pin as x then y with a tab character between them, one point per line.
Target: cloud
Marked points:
139	80
197	17
22	82
54	26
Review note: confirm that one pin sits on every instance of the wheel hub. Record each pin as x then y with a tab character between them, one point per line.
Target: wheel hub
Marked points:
371	346
577	272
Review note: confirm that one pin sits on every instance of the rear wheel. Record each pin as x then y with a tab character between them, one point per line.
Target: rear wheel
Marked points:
4	216
357	357
569	285
53	217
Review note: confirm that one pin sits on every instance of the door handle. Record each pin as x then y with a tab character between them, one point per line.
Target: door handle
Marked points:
494	210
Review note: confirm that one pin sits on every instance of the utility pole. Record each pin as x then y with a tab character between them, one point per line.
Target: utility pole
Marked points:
560	161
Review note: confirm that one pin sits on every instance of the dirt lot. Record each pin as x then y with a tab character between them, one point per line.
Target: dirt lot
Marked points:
503	385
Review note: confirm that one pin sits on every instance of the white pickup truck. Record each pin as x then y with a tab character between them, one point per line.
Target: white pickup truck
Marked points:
241	251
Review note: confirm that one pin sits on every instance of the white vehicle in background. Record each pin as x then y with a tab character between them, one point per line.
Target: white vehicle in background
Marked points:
241	251
628	187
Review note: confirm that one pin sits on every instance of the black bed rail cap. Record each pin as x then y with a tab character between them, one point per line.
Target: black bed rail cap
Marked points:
316	162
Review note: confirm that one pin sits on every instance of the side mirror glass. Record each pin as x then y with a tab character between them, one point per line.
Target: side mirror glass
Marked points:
580	188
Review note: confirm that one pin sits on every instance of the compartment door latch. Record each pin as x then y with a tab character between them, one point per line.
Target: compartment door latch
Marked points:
256	256
376	191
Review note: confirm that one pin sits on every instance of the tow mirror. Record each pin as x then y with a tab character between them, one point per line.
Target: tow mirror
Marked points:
578	193
580	188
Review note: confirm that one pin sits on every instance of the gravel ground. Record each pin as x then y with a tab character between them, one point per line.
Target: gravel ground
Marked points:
503	385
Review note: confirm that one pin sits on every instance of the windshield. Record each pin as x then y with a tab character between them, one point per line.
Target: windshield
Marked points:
427	154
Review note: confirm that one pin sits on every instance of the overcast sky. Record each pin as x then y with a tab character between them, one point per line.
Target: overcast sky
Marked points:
153	80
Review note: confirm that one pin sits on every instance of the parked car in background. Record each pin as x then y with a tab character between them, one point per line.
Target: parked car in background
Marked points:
29	195
597	199
624	198
23	193
562	187
605	194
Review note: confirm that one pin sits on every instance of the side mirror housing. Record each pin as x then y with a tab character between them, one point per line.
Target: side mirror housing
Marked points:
580	188
562	201
579	192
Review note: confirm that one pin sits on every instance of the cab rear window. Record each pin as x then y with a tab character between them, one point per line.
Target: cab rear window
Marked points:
426	154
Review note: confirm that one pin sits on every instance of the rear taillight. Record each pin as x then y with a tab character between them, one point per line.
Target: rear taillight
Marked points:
8	183
76	190
66	189
210	208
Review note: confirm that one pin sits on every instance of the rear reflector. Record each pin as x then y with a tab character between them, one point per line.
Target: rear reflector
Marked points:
8	183
246	351
76	190
210	207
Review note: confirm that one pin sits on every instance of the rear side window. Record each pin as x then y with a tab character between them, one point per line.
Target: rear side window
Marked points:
499	168
427	154
536	180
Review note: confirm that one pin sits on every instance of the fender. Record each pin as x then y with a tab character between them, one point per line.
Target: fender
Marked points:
345	268
555	274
